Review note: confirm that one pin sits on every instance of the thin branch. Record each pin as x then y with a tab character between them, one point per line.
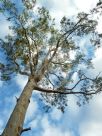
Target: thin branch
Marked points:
54	53
26	129
60	63
98	75
76	84
29	51
55	75
36	56
34	43
24	73
47	77
17	99
50	50
19	70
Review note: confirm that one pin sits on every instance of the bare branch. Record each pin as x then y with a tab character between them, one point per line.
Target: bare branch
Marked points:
76	84
26	129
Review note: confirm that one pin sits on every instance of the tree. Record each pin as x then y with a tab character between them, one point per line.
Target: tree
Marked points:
38	49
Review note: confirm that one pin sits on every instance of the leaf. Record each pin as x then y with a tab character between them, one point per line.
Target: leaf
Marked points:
1	66
99	3
100	35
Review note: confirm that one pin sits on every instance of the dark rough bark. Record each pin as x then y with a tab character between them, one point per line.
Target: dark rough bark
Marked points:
14	126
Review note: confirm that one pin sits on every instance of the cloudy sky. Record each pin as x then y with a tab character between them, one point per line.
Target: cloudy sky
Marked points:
76	121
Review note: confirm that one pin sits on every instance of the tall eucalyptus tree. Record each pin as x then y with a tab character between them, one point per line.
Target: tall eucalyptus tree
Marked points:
38	49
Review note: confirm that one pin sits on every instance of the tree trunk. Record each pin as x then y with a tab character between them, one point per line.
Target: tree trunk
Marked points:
14	126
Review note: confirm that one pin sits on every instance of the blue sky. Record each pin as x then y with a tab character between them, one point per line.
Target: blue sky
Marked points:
76	121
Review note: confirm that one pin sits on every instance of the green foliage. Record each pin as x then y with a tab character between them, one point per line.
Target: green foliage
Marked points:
37	47
29	4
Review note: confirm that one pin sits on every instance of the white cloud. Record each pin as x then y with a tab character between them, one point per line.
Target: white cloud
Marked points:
99	27
95	108
58	9
85	5
56	114
97	61
91	124
50	130
91	129
67	8
33	123
4	27
72	54
73	108
21	81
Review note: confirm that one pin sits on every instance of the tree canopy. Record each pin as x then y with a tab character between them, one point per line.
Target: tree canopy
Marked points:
38	47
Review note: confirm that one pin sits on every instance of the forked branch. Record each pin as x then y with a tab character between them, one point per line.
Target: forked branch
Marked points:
64	90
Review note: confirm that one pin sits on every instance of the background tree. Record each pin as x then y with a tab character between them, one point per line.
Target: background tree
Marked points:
38	49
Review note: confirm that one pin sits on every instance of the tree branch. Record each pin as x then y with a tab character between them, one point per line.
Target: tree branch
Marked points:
60	63
26	129
55	75
31	70
60	38
36	56
47	61
19	70
29	51
77	83
59	92
47	77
